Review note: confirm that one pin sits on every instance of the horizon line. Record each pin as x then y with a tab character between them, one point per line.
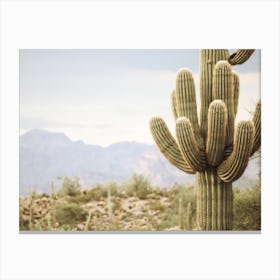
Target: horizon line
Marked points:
81	140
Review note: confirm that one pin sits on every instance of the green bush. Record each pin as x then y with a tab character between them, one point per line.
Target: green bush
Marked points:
138	186
79	199
186	193
247	208
69	214
155	205
97	192
170	218
70	187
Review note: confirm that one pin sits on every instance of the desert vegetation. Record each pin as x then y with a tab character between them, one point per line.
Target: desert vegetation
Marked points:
134	205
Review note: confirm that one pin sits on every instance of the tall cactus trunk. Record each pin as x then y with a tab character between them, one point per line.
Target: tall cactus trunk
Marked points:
214	201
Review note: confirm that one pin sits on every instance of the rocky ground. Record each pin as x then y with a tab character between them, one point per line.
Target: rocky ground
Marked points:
136	206
119	212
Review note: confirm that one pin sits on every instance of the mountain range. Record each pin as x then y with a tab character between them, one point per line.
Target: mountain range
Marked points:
45	155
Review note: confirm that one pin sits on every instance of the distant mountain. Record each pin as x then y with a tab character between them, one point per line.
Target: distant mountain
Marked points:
46	155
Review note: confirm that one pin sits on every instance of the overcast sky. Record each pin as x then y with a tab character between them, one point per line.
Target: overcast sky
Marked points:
107	96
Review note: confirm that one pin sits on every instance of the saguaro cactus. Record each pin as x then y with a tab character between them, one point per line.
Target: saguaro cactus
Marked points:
213	149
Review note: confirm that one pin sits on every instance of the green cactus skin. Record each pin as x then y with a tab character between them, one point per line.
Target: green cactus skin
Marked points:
215	198
240	56
223	89
214	150
208	59
217	125
168	145
235	91
233	167
186	101
188	145
257	124
173	104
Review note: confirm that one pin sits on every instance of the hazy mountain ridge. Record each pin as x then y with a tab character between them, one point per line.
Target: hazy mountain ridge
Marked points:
46	155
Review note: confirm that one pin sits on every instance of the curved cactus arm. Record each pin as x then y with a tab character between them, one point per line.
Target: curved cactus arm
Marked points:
257	124
216	136
173	104
236	87
167	144
223	89
233	167
188	145
240	56
208	58
186	101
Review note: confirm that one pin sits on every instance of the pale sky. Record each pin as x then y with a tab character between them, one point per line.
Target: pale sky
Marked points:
107	96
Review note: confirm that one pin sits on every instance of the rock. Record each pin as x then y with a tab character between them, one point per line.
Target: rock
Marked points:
80	227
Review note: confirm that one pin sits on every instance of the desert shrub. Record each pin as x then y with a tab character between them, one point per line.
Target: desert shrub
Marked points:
160	191
43	195
155	205
97	192
247	208
23	223
138	186
70	187
79	198
170	217
69	214
170	220
186	193
152	195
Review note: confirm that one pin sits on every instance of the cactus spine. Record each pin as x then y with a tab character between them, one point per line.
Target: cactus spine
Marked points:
213	149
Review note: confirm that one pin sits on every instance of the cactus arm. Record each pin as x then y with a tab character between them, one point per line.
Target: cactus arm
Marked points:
240	56
233	167
167	144
173	104
208	59
186	101
223	89
188	145
257	124
216	136
236	87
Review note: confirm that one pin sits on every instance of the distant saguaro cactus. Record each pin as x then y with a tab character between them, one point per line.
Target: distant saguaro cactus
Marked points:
189	217
213	149
180	214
